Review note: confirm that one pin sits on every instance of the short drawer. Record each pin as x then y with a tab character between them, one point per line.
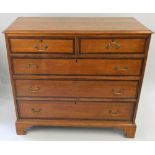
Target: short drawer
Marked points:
76	110
70	88
112	45
42	45
77	67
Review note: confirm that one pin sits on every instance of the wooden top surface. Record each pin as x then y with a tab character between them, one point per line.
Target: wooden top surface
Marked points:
77	25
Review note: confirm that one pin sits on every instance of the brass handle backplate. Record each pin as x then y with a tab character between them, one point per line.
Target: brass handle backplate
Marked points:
34	89
36	110
120	92
114	113
121	69
41	46
114	44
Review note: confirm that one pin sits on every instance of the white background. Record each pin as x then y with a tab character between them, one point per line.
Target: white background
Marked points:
146	111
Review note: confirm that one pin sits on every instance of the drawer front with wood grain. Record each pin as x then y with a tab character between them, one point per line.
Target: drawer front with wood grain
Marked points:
70	88
76	110
77	67
112	45
42	45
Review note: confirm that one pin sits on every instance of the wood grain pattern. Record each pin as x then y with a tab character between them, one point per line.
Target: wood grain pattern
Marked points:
42	45
77	66
76	25
69	88
75	110
112	45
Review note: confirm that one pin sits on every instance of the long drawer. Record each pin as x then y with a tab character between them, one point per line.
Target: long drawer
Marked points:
42	45
71	88
75	110
77	67
112	45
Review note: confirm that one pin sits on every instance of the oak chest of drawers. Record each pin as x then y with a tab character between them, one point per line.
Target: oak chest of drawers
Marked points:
80	72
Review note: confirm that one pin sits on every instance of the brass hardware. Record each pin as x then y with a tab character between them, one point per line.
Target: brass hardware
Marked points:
36	110
41	46
34	89
120	92
29	66
114	113
109	46
121	69
114	44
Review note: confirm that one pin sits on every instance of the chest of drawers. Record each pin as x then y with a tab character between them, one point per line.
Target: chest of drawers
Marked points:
79	72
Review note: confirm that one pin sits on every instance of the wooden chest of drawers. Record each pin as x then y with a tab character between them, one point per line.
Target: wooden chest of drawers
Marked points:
84	72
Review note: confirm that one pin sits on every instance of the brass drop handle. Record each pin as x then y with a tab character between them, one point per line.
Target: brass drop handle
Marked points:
121	69
114	113
36	110
29	66
34	89
109	46
120	92
41	46
114	44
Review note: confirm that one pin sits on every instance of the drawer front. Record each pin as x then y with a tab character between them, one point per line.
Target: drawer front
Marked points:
112	45
45	45
75	110
66	88
77	67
